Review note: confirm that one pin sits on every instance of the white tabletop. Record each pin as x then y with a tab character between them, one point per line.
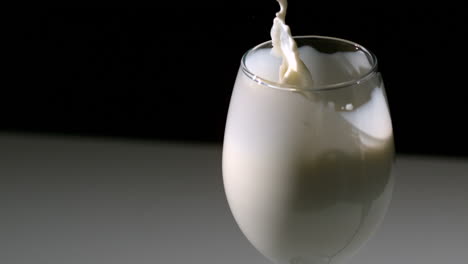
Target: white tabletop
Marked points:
70	201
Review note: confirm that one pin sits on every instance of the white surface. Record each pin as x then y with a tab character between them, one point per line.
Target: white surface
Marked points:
91	201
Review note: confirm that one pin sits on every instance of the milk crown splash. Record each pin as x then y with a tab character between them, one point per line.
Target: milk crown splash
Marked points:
292	70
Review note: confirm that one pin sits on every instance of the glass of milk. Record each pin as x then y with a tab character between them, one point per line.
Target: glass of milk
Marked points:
307	170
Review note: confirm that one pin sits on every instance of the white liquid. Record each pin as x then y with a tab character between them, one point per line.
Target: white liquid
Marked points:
292	69
308	179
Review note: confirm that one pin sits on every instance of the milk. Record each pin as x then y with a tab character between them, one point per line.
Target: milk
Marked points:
292	70
308	179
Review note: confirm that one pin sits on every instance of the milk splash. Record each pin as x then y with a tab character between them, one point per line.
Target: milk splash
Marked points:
292	70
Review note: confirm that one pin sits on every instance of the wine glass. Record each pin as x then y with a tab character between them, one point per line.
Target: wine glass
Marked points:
307	170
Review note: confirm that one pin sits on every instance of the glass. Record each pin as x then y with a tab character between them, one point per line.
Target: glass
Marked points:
307	172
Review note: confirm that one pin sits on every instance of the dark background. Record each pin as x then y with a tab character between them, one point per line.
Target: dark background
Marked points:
132	73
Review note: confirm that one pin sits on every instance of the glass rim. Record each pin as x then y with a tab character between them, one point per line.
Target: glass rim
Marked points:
320	88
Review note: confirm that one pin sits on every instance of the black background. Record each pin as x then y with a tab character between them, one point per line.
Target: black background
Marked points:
133	73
